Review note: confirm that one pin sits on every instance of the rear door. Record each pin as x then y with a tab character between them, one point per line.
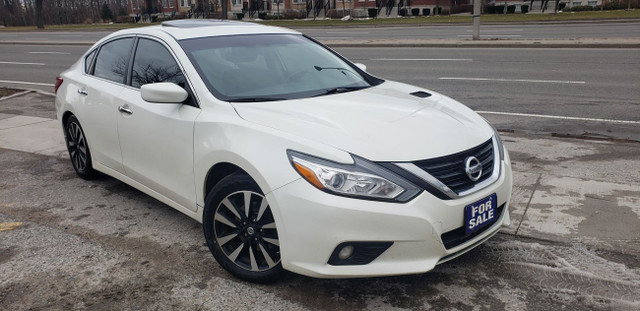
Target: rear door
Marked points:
105	75
157	139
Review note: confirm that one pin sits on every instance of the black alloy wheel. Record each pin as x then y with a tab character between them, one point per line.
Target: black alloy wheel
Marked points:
78	149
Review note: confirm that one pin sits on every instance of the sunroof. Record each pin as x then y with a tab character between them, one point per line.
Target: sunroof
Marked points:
188	23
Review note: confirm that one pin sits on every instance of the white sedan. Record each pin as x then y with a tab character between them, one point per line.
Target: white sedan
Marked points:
292	157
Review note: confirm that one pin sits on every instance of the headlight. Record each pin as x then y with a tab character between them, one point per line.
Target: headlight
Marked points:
499	143
497	138
362	179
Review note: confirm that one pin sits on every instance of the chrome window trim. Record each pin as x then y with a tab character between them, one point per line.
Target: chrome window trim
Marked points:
415	170
175	58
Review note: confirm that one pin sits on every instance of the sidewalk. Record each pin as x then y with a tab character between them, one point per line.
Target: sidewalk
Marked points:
31	128
565	190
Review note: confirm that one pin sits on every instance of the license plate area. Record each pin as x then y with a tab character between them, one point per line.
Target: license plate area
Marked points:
480	214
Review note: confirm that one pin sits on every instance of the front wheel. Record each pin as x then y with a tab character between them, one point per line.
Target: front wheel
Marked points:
240	230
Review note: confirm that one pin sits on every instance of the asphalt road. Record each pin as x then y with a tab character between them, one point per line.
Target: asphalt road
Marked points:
53	36
589	83
36	66
576	91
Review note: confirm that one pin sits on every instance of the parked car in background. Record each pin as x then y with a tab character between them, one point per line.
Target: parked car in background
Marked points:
292	157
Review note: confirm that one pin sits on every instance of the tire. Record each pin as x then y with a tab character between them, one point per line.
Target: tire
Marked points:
243	241
78	149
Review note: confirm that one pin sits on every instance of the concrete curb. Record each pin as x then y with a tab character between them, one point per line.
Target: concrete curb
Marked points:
27	91
486	45
492	43
8	42
15	95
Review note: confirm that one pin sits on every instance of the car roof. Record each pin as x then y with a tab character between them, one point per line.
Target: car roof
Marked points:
196	28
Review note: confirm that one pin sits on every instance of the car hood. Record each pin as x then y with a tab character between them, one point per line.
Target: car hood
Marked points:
381	123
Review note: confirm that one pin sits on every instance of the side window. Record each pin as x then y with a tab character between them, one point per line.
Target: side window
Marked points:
88	61
113	60
153	63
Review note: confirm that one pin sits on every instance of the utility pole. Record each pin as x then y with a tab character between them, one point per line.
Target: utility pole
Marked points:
476	19
225	11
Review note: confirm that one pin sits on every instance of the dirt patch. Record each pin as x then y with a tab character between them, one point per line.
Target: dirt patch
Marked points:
4	91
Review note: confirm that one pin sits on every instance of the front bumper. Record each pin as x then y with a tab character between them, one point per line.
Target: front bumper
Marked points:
312	223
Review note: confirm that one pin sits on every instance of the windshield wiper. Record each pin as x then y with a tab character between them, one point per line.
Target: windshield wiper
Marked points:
254	99
342	89
318	68
341	69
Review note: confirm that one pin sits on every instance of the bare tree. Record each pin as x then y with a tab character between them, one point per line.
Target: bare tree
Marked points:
7	11
39	17
53	12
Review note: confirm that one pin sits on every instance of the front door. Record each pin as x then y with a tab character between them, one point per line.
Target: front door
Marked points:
156	139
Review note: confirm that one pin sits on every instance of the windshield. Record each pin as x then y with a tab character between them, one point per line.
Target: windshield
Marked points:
271	67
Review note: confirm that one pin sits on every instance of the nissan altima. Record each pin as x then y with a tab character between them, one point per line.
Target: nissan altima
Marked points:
292	157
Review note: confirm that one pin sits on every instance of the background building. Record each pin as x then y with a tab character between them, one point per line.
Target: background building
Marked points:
335	8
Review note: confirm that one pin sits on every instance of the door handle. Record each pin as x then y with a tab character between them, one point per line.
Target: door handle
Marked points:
125	109
82	91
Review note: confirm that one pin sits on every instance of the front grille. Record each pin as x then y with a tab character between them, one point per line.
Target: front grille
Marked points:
450	170
457	236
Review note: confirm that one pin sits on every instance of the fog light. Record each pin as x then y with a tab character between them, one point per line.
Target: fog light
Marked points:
353	253
345	252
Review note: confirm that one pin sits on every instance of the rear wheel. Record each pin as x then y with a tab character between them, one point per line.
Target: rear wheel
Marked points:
78	149
240	230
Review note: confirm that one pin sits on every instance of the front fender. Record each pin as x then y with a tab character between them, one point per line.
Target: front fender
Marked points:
258	150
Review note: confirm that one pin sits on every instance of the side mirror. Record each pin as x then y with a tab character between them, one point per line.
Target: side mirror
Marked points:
163	92
362	66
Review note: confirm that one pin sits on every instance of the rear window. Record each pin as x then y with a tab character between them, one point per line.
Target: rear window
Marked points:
88	61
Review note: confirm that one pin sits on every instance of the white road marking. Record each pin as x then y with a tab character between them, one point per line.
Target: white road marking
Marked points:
64	53
347	32
484	30
17	63
557	117
512	80
27	83
427	59
492	35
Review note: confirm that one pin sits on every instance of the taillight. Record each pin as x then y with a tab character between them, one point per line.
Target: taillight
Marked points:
58	83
